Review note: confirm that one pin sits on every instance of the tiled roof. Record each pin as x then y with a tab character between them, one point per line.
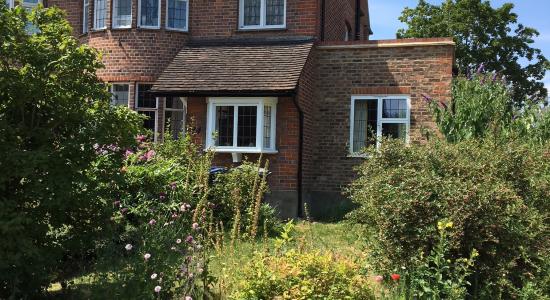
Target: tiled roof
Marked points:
235	67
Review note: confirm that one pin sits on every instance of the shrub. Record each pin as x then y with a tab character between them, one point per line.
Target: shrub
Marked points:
495	194
54	181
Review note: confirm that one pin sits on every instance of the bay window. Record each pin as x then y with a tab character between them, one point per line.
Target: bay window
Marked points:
260	14
374	117
241	125
146	104
100	14
177	14
149	14
122	13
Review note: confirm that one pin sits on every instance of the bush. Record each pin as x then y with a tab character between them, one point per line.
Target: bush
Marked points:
496	194
54	181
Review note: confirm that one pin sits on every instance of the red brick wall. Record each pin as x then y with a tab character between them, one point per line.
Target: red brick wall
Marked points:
283	165
343	72
73	9
339	15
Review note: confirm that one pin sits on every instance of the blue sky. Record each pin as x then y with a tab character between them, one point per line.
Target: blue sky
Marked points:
532	13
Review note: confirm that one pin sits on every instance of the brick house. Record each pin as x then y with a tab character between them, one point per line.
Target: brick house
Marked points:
296	80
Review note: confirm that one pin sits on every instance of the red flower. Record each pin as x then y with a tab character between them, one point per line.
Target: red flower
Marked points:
395	277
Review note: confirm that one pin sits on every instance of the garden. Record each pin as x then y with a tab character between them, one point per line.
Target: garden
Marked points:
91	208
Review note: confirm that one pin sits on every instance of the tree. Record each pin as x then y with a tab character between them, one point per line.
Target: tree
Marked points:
484	36
60	149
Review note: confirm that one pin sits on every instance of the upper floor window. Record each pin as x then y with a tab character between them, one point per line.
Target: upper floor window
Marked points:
260	14
241	125
149	13
177	14
100	14
122	13
374	117
85	15
9	3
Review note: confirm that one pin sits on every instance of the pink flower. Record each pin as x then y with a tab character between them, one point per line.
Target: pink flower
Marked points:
128	153
116	203
189	240
378	279
173	185
152	222
147	256
184	207
150	154
195	226
175	216
162	196
141	138
188	298
124	210
128	247
157	289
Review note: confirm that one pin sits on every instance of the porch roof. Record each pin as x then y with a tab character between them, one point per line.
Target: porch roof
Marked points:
237	67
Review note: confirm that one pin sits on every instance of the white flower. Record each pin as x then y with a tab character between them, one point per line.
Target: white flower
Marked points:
188	298
154	276
157	289
147	256
128	247
178	241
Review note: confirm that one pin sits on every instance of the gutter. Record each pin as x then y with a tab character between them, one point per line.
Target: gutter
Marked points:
357	20
300	153
323	10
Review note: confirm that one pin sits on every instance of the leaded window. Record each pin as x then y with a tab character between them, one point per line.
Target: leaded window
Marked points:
177	15
120	94
122	13
100	14
149	13
259	14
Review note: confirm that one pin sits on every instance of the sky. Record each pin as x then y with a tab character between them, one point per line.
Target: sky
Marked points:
532	13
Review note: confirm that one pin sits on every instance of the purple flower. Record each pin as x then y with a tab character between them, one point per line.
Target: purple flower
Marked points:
481	68
124	210
152	222
128	153
189	239
96	146
162	196
427	98
494	78
173	185
443	105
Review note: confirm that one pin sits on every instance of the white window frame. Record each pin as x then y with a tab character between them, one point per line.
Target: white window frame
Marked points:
263	17
380	120
85	16
183	110
148	26
120	83
260	103
115	15
155	109
185	29
95	16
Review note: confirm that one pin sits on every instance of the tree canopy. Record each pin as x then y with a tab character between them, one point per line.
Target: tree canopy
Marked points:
486	36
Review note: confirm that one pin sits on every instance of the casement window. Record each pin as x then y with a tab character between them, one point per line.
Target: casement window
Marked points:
122	13
262	14
174	117
120	94
30	4
374	117
9	3
149	14
100	14
85	15
241	125
146	104
177	14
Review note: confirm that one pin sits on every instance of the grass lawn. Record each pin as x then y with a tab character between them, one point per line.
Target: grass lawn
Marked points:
341	239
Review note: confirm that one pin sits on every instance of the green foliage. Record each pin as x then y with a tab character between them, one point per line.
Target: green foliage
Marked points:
437	276
482	107
495	194
483	35
54	183
295	274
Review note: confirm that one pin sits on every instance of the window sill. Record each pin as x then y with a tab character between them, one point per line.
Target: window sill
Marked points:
243	151
177	30
261	29
148	28
358	155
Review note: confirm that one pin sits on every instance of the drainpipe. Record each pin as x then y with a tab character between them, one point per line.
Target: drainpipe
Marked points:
323	10
357	20
300	152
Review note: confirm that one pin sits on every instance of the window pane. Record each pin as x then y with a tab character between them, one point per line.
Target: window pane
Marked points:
120	94
252	12
395	108
177	14
85	15
145	99
267	126
30	1
149	123
149	13
365	124
122	13
395	131
173	123
174	103
100	13
246	136
275	12
224	125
